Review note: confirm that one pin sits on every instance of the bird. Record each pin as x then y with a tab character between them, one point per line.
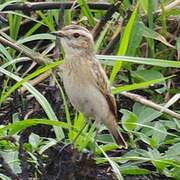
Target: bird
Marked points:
85	81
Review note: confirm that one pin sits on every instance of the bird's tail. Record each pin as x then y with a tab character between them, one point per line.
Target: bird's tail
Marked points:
118	138
112	125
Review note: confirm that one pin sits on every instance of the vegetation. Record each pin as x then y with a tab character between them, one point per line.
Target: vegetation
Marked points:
138	45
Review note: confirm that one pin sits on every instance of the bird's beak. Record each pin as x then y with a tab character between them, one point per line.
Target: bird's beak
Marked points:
58	33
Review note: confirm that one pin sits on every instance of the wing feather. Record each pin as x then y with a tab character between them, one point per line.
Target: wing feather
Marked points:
102	84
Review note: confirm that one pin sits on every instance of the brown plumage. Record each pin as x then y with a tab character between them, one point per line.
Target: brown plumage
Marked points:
85	81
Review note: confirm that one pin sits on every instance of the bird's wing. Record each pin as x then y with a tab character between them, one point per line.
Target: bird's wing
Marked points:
101	81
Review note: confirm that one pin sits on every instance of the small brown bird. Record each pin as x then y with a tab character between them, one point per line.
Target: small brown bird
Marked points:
85	81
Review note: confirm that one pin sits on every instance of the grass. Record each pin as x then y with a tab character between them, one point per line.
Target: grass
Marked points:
147	51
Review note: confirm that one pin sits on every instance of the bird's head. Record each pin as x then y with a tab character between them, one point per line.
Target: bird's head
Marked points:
75	39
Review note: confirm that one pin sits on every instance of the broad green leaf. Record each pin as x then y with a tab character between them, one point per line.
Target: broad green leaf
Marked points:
175	173
135	39
107	147
149	33
147	74
133	170
11	158
158	137
152	129
34	140
140	156
129	120
156	157
145	114
173	151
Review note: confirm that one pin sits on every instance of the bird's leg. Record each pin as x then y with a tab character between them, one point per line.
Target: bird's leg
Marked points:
95	137
94	143
79	133
75	139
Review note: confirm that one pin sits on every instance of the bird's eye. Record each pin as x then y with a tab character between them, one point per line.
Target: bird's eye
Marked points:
76	35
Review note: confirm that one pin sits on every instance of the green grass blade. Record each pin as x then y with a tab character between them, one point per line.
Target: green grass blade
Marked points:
5	52
36	37
110	60
135	86
24	16
86	11
67	112
101	37
20	125
151	25
124	43
3	5
46	21
33	29
113	164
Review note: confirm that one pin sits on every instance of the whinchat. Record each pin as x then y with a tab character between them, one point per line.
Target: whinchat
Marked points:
85	81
